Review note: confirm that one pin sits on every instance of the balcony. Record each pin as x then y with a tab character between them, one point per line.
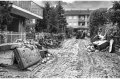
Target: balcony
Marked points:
81	20
29	6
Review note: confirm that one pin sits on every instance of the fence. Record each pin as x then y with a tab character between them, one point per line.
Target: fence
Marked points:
9	37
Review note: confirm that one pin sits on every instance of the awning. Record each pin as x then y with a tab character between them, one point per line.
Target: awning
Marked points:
25	13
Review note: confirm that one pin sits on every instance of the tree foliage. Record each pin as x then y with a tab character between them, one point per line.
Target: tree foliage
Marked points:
97	19
46	14
112	17
53	19
5	17
61	20
39	27
114	13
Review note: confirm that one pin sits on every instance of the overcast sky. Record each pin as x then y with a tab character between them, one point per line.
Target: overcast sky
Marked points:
78	5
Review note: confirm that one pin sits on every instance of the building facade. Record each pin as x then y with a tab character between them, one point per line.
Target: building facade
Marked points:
77	19
24	14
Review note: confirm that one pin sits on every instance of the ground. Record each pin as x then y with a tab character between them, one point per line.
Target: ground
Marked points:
72	60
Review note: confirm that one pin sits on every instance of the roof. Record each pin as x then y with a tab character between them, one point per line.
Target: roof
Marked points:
78	12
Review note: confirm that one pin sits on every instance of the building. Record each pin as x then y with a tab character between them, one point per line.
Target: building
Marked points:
24	14
77	19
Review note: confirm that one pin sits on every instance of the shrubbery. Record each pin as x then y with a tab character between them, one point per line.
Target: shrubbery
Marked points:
107	20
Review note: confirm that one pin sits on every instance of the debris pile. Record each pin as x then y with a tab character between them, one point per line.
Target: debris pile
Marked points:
22	54
51	41
73	60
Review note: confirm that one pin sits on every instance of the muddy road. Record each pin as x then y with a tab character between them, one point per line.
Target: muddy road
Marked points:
72	60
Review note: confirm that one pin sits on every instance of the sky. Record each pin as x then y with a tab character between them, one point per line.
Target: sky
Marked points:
79	5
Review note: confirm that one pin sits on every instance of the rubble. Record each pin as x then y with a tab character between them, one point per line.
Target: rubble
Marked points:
26	56
51	41
22	54
101	44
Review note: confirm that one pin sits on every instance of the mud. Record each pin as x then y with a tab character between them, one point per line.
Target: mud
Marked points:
72	60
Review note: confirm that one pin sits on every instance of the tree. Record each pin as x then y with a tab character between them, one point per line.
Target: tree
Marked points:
5	17
114	13
114	17
61	20
39	26
46	14
97	19
53	21
43	25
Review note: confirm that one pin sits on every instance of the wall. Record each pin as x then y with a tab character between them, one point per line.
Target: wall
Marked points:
14	25
17	24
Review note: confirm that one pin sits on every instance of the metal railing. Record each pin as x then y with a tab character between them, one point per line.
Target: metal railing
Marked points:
10	37
30	6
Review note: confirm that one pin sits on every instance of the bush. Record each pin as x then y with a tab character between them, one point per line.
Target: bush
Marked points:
97	19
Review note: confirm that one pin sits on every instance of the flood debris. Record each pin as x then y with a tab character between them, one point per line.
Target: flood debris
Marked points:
72	60
80	35
26	56
7	57
51	41
22	54
101	44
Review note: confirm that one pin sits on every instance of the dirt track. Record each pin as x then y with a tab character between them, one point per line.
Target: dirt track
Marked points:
74	61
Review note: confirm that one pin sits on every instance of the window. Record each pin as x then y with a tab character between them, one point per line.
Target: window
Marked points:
74	17
70	17
83	24
70	23
75	24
